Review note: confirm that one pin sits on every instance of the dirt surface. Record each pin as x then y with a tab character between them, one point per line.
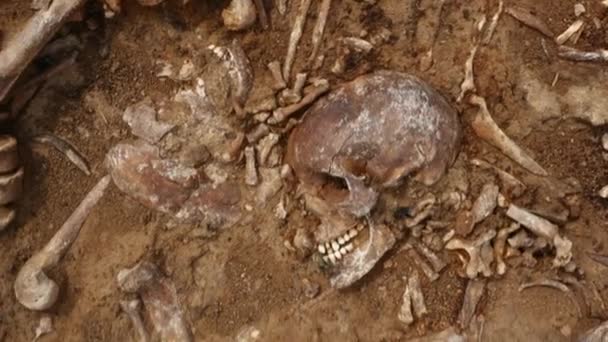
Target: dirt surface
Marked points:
249	274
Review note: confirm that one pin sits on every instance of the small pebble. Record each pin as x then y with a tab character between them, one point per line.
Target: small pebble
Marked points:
604	192
579	9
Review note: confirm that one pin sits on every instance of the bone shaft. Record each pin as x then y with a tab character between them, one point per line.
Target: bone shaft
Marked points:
473	293
64	237
67	149
317	32
294	39
524	16
435	261
537	225
573	54
424	266
493	23
416	293
25	45
131	310
283	113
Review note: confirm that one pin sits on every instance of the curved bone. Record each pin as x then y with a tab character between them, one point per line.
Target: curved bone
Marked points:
485	127
474	249
9	156
239	15
546	230
33	288
160	300
7	216
66	149
11	187
23	47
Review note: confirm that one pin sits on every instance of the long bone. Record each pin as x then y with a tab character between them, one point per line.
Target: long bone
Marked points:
33	288
23	47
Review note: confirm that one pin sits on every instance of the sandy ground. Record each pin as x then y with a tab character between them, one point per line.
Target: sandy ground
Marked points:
245	276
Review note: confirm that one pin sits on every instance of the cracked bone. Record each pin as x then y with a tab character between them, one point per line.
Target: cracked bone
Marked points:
478	260
33	288
413	299
472	295
23	47
160	300
358	263
131	308
486	128
546	230
294	38
499	247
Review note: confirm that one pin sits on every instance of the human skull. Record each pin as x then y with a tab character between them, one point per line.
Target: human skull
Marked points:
366	136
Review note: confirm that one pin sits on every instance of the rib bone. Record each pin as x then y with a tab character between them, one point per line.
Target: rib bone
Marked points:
32	287
485	127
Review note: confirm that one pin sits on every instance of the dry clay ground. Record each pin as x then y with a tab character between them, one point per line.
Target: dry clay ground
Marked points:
245	276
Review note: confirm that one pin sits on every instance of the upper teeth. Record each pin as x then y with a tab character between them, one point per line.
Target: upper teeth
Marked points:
335	249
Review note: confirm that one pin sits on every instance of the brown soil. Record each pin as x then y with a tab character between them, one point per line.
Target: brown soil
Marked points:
244	276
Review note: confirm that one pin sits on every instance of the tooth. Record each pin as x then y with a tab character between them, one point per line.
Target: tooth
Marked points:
346	237
327	247
338	255
352	233
343	251
322	249
335	245
349	247
332	258
341	240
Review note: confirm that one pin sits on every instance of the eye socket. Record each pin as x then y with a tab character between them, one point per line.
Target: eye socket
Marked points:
334	189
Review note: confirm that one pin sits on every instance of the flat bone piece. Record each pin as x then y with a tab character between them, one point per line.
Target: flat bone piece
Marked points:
486	128
526	17
472	295
160	300
33	288
476	264
546	230
141	117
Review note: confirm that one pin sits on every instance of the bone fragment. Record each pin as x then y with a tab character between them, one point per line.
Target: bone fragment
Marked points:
499	247
11	186
141	118
477	262
545	283
251	171
22	48
468	84
472	296
266	104
359	262
413	299
282	6
275	70
280	114
160	300
234	149
131	308
265	146
270	186
358	44
423	265
239	71
493	23
9	154
317	32
570	31
259	5
433	258
291	96
257	133
546	230
579	9
599	333
602	259
294	38
450	334
239	15
422	211
44	327
514	186
485	127
66	149
33	288
573	54
485	204
526	17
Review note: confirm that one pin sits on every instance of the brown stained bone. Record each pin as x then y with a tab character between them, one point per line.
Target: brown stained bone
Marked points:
251	170
554	284
472	295
510	184
67	149
22	48
317	32
359	262
11	186
570	31
259	5
493	23
9	155
275	71
477	263
279	115
574	54
545	230
599	258
483	207
131	308
428	271
526	17
45	326
381	127
240	73
486	128
160	300
239	15
265	146
234	148
291	96
412	300
33	288
422	211
596	334
294	38
499	247
141	118
7	216
468	84
436	262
